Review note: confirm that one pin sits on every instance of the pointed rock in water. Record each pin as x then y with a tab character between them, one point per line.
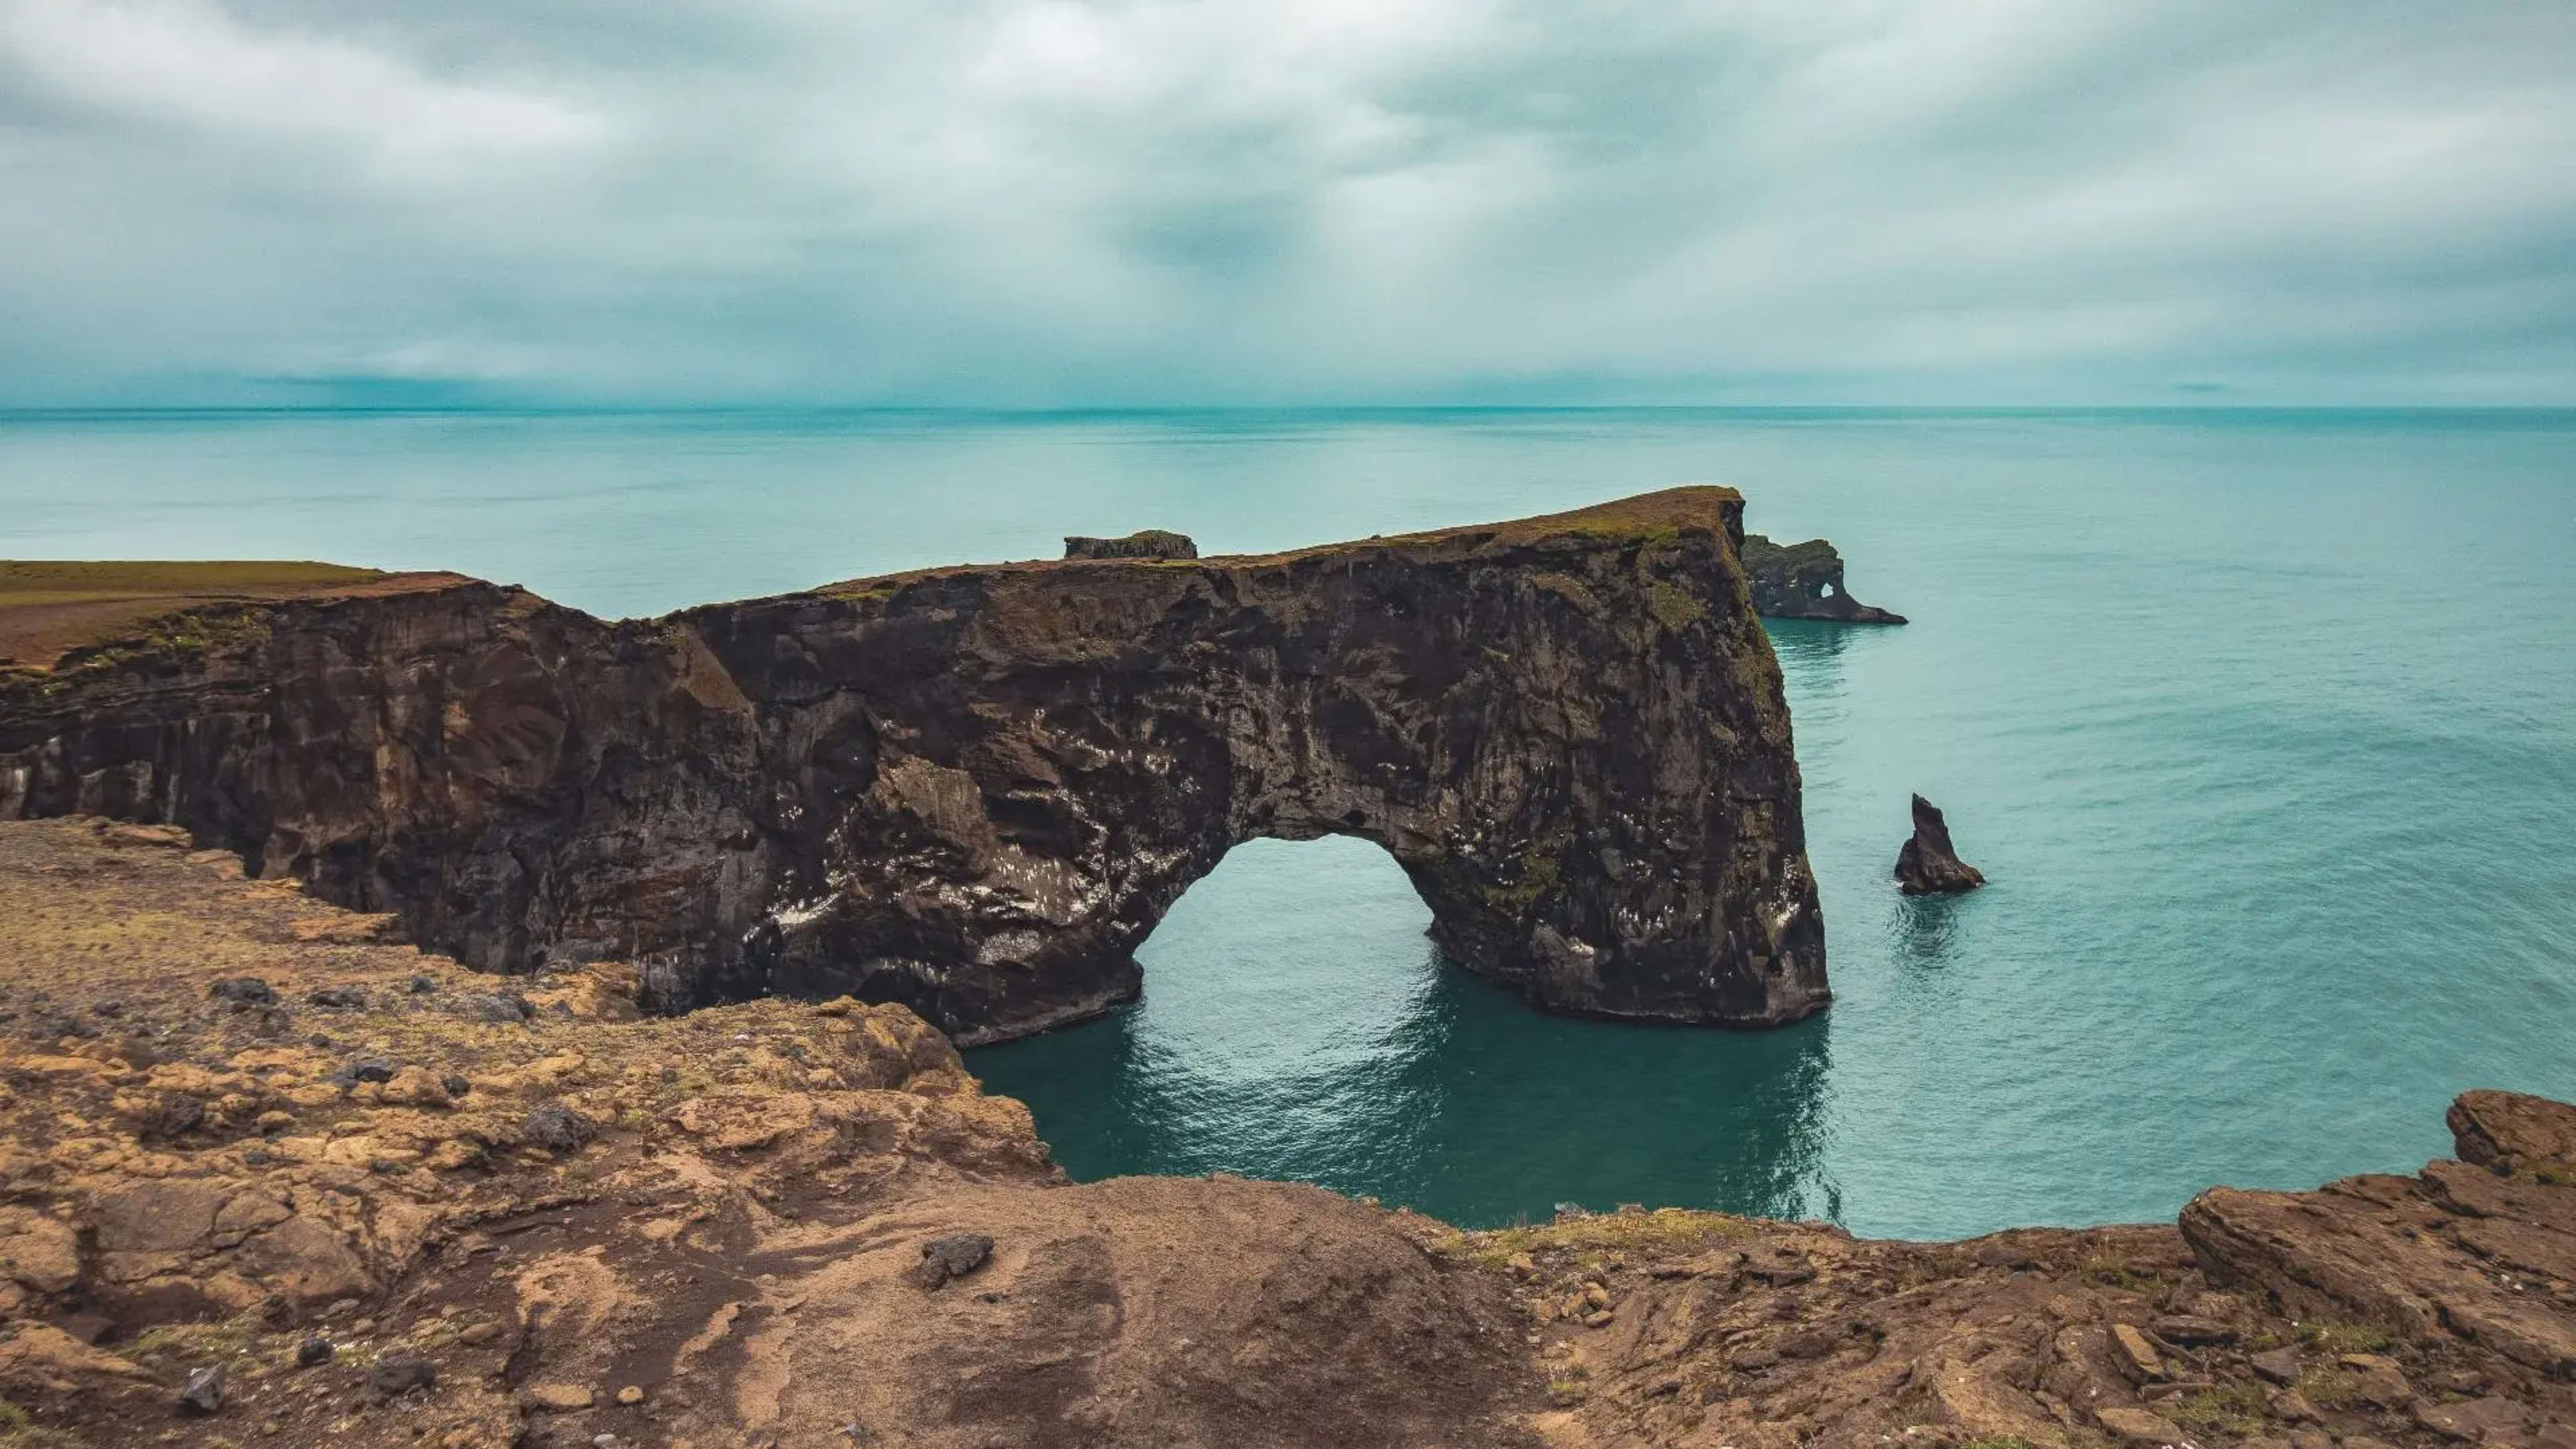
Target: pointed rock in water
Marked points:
1927	863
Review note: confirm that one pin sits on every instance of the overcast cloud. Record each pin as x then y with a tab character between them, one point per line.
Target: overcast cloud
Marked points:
1007	202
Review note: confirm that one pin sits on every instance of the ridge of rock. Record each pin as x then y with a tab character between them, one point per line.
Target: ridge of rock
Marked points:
974	790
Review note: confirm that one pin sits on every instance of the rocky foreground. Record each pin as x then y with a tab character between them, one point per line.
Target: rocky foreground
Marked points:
271	1180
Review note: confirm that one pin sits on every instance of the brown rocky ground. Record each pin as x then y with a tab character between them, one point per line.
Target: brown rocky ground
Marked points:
516	1213
48	608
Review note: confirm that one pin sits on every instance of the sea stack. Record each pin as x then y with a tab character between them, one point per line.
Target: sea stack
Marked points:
1143	543
1927	863
1804	581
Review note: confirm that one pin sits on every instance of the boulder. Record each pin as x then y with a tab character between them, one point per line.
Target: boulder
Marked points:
953	1256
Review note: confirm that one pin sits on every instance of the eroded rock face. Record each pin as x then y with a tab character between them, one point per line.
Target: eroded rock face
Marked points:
1927	863
974	790
1804	581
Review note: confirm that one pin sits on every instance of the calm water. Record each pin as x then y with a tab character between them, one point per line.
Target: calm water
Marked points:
2264	727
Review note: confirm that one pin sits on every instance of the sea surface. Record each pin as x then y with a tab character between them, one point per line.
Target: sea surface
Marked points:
2263	725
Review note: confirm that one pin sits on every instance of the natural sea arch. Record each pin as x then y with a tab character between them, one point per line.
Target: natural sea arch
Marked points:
1297	1023
975	790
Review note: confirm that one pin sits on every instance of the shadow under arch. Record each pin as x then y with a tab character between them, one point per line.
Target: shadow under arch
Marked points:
1297	1024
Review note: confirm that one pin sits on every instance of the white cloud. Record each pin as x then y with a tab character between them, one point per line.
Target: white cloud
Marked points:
1149	200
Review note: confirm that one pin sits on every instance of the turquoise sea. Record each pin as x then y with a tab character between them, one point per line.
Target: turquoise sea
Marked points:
2263	725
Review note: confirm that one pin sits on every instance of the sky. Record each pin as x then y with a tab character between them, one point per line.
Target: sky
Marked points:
1034	203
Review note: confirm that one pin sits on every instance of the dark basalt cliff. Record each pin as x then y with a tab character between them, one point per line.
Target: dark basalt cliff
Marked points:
974	790
1804	581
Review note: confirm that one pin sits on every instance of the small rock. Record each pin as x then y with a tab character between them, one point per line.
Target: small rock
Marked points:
89	1328
362	1328
478	1334
423	985
456	1085
558	1128
176	1114
2138	1357
314	1350
954	1256
1814	1342
401	1374
2137	1426
1596	1296
2280	1365
2473	1419
244	991
631	1395
1599	1318
338	997
557	1398
415	1087
204	1392
2293	1406
372	1069
488	1006
2382	1383
107	1008
2190	1331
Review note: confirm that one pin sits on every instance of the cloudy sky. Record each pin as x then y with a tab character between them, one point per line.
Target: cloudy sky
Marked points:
1035	202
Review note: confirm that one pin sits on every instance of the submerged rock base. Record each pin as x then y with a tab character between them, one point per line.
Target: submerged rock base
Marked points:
397	1204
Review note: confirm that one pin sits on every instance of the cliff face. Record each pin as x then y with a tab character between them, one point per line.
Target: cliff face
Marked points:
1805	581
974	791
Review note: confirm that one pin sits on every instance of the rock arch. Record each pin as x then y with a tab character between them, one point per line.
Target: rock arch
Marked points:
975	790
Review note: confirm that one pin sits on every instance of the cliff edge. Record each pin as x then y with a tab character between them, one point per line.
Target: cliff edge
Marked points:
974	790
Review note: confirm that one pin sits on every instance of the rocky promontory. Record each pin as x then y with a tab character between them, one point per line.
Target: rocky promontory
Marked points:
1805	581
267	1178
974	790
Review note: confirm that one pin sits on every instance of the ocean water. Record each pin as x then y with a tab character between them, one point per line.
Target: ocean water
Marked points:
2263	726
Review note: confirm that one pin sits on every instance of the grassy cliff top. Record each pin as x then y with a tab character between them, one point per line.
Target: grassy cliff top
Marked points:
1665	511
49	608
